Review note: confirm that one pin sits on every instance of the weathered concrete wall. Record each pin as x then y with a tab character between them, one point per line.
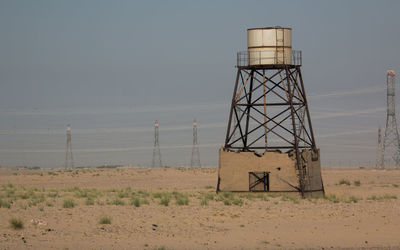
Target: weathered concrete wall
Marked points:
234	168
313	175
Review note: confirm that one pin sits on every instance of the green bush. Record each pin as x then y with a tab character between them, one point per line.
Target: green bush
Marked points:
117	202
16	223
237	202
354	199
53	194
357	183
136	202
181	199
5	204
89	201
105	220
209	196
344	182
165	200
203	202
69	203
227	202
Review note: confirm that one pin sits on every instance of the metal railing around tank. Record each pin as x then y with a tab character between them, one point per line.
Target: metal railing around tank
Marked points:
272	57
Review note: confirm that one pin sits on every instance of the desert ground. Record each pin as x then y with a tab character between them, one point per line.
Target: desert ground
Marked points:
129	208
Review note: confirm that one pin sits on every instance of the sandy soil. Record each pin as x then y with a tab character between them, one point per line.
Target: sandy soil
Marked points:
362	212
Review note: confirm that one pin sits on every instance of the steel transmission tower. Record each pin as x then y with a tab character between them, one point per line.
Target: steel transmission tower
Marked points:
69	159
156	150
391	140
195	162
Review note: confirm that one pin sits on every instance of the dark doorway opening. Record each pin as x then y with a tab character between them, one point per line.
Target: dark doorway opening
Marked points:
259	181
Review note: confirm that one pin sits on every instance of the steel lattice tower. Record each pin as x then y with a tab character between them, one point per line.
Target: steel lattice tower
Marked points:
156	150
391	140
269	117
69	160
195	162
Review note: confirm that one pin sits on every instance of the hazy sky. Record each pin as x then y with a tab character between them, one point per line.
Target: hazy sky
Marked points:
110	68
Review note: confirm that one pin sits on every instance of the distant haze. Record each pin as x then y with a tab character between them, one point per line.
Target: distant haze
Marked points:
110	68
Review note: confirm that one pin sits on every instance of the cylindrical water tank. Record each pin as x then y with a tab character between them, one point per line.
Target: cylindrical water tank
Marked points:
269	46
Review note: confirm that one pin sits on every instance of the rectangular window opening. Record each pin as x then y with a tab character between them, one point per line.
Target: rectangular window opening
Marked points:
259	181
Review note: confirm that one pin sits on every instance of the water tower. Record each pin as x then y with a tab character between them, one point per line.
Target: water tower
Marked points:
270	144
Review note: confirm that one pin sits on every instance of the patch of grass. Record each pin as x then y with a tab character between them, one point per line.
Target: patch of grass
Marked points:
137	201
357	183
372	198
227	202
165	197
209	187
69	203
353	199
229	198
165	200
52	173
86	193
249	196
124	193
16	223
262	196
105	219
89	201
227	195
382	197
203	202
143	193
53	194
332	198
181	199
291	198
237	202
25	195
209	196
117	202
159	195
344	182
41	208
395	185
49	204
389	197
5	204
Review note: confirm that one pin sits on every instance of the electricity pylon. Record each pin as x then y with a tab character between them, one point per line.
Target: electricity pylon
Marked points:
69	159
391	140
156	149
195	161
